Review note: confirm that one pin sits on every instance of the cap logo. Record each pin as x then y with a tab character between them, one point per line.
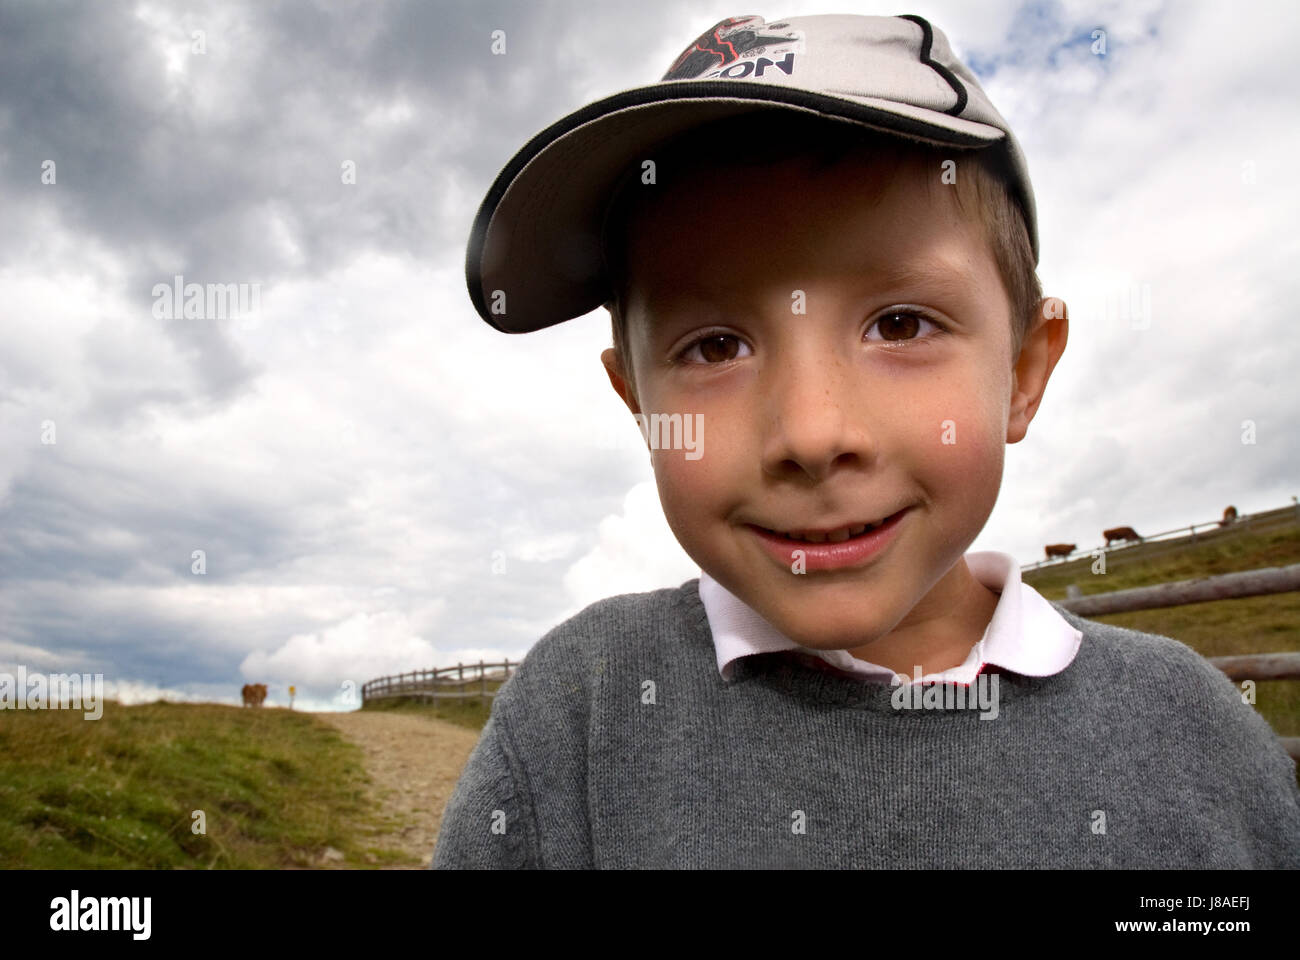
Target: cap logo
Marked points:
732	48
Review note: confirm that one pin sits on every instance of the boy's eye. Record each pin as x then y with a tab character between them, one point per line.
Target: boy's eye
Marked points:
714	348
900	325
895	326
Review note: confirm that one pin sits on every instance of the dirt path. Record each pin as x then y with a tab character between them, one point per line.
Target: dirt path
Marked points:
414	763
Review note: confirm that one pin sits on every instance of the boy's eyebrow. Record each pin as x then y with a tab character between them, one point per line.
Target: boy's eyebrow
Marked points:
948	277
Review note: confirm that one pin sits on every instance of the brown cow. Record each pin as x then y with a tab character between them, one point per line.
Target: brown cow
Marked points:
1120	533
1060	549
254	694
1229	516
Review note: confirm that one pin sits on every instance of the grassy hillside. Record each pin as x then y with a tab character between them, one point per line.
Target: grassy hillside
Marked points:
1220	628
277	787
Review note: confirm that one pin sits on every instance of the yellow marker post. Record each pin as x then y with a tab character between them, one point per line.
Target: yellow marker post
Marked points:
291	693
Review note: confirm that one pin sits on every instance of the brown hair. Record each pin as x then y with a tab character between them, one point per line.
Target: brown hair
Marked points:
785	134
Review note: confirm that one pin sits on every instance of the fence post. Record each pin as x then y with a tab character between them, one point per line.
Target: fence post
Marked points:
460	676
482	674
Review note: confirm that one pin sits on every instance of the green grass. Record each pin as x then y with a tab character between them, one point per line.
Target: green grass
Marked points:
276	788
1219	628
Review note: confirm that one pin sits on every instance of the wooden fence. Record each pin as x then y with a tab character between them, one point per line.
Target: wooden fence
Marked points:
1246	583
441	683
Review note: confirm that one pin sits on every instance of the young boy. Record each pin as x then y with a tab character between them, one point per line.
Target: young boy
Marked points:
817	241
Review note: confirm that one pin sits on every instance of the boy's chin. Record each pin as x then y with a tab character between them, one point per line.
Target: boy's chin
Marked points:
819	628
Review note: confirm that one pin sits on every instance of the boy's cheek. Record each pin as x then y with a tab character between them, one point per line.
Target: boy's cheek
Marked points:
965	475
968	447
697	493
966	424
689	485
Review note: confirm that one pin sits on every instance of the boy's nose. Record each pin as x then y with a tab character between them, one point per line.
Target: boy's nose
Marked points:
811	421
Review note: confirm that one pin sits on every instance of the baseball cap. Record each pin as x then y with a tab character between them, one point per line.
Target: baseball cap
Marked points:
534	256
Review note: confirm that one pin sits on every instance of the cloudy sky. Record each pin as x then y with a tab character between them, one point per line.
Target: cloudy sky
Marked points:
377	480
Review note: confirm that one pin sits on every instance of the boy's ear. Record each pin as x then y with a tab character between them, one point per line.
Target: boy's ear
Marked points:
1043	346
618	378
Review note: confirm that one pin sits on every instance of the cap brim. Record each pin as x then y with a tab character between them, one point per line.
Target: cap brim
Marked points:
534	256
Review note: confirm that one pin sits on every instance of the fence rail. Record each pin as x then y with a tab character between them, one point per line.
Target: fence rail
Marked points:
440	683
1264	666
1226	586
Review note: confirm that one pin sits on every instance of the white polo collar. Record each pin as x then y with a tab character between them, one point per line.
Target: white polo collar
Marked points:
1026	634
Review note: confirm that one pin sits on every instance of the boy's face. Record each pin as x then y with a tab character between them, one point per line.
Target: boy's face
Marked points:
892	390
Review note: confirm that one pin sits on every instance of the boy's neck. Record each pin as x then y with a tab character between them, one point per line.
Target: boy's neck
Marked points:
940	631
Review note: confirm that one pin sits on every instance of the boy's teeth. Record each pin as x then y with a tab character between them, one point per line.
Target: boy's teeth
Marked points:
836	536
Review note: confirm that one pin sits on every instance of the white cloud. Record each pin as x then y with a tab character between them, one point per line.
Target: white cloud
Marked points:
360	648
635	552
38	660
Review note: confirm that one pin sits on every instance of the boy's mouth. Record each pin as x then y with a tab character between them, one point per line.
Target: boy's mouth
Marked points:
809	550
833	534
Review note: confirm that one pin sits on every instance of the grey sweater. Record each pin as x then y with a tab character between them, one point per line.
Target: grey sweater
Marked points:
616	744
